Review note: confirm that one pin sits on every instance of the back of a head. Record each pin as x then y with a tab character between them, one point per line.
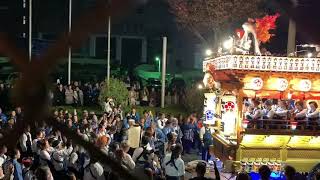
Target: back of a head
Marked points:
243	176
201	169
289	171
176	151
264	172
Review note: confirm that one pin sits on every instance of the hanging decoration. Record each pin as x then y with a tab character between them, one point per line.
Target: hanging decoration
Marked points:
282	84
264	25
229	106
305	85
257	83
208	81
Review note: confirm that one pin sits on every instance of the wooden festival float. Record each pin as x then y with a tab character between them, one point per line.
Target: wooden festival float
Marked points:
234	80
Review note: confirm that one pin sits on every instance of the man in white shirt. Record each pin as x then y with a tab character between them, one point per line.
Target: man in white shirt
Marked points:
162	121
25	142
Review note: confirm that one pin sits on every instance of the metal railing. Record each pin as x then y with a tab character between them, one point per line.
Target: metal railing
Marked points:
279	126
265	63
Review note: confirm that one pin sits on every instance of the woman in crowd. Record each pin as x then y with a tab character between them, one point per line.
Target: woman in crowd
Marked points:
174	165
69	94
144	97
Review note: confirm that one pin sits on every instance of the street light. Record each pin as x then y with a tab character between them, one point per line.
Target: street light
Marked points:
157	59
309	55
200	86
209	52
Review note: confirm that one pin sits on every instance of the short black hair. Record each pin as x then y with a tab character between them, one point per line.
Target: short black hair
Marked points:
243	176
201	168
264	172
289	171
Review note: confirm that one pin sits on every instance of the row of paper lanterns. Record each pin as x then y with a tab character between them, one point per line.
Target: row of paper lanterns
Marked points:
279	84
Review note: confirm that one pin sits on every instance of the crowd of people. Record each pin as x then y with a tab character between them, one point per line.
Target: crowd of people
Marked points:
154	143
305	114
87	94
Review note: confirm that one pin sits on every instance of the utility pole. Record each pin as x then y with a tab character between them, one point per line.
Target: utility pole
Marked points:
30	30
164	63
69	48
108	53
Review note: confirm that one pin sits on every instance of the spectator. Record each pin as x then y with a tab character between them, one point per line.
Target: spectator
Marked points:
153	98
290	172
132	97
243	176
162	121
27	171
44	172
188	135
167	129
174	165
134	115
140	154
148	118
264	172
144	97
3	156
127	159
201	169
177	130
25	142
3	118
69	95
59	95
14	156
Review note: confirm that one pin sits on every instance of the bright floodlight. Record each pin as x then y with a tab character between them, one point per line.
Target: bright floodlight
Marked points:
200	86
309	55
228	43
208	52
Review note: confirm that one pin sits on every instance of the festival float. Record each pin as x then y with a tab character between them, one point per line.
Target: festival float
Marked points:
244	73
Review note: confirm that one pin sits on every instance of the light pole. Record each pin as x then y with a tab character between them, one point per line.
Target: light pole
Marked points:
30	30
158	62
69	49
108	55
164	66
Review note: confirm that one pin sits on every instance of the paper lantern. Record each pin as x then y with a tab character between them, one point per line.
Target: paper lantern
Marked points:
245	124
305	85
282	84
256	83
293	125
